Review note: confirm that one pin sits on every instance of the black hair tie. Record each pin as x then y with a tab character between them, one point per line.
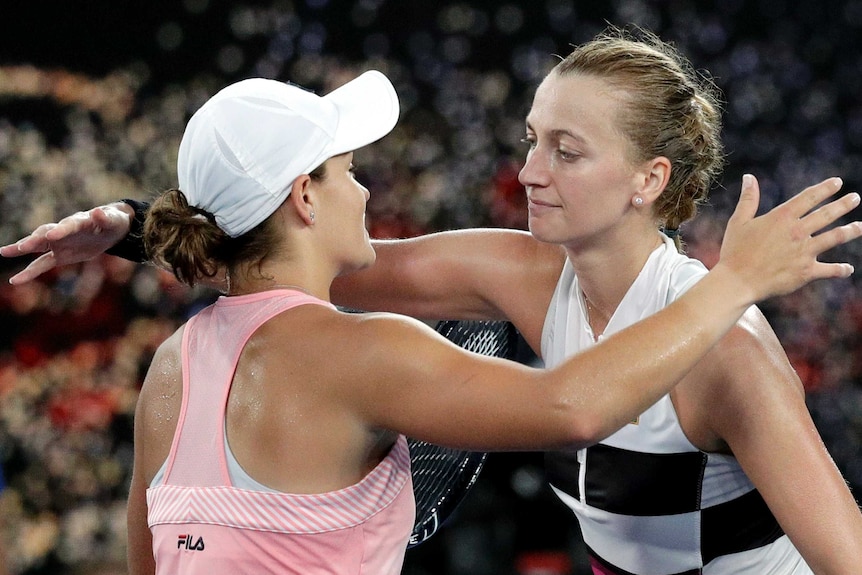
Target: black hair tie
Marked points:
202	212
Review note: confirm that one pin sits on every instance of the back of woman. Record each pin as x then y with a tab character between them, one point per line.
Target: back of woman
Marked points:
221	502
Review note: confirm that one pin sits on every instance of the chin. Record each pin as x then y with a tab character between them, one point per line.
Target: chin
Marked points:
371	253
368	260
540	233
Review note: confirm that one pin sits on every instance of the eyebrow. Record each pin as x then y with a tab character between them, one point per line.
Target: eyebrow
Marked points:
570	134
558	132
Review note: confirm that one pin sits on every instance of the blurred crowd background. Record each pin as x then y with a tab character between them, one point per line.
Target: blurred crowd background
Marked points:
93	100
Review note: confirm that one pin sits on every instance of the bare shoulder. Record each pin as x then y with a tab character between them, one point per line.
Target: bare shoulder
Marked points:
479	273
160	398
748	347
508	244
165	370
159	405
333	340
352	359
378	336
746	371
517	275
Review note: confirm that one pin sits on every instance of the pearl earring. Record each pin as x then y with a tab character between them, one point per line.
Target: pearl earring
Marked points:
638	201
311	216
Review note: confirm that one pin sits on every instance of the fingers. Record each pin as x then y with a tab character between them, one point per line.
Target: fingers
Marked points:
825	215
821	217
10	251
77	222
39	240
36	268
749	199
811	197
34	243
99	218
835	237
832	270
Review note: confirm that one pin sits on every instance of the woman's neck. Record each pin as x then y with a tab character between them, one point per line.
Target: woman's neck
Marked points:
607	271
239	284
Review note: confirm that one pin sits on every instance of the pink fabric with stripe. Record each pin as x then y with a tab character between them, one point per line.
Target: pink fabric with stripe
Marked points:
203	525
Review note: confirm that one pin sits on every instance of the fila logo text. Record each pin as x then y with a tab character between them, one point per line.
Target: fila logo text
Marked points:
184	540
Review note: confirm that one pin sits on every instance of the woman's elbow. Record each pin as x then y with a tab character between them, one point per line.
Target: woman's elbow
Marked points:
578	427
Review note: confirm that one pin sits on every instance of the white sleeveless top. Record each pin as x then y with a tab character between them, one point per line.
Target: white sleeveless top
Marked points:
647	500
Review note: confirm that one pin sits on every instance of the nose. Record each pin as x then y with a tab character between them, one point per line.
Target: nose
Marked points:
365	192
534	172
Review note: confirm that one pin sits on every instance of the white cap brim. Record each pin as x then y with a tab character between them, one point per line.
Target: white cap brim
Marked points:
368	110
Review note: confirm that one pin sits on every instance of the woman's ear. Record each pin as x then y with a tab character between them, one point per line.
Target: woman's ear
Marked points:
303	197
656	174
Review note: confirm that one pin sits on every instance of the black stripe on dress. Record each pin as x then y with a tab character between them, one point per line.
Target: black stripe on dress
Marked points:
631	482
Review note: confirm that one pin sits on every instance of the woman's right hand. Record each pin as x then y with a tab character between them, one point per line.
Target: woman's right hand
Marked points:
76	238
776	253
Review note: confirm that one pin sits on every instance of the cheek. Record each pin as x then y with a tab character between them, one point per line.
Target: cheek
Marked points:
591	197
616	182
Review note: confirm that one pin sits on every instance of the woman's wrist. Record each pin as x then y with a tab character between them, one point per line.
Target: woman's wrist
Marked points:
131	247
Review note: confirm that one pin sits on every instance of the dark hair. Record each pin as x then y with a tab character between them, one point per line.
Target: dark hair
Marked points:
187	241
671	111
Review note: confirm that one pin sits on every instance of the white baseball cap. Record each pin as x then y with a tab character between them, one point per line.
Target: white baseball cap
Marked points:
243	149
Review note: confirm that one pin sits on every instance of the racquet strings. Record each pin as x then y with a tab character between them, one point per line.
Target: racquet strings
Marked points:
442	476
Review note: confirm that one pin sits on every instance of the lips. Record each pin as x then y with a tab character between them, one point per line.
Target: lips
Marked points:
540	202
536	205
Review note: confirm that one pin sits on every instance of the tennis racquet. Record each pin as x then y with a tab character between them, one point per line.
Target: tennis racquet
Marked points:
442	476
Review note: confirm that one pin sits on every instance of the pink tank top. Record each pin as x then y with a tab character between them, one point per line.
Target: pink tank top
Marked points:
202	525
